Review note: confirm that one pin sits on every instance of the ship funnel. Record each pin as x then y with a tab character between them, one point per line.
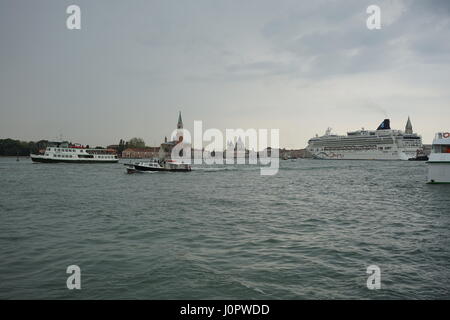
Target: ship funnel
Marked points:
385	125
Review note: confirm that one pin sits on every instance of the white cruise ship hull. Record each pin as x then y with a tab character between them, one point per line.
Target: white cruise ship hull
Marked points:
364	155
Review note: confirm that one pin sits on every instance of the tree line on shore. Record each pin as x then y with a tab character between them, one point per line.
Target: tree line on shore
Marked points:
132	143
11	147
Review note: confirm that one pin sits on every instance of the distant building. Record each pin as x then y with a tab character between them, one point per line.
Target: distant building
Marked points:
141	153
294	154
113	146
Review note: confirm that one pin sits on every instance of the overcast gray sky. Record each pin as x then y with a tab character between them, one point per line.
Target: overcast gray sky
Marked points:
299	66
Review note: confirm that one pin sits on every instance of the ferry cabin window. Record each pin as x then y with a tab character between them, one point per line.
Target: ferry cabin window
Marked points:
441	149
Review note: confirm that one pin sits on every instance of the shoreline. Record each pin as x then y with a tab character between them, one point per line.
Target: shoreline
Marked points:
14	156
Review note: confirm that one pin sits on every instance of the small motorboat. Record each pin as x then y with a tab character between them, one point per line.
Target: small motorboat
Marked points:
165	165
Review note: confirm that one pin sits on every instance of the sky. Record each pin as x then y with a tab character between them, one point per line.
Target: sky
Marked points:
297	66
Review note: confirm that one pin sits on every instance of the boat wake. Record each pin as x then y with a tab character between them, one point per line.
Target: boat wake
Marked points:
221	169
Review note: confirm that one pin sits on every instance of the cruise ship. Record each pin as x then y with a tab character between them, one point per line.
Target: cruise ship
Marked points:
381	144
74	153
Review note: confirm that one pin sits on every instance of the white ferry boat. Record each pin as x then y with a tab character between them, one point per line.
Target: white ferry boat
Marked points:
439	160
74	153
381	144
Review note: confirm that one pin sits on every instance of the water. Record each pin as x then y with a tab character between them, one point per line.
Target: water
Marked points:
309	232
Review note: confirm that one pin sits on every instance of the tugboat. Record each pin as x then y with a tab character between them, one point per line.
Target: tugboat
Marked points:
420	156
439	162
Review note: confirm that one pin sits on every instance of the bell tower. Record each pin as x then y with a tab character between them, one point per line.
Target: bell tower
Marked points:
408	128
180	128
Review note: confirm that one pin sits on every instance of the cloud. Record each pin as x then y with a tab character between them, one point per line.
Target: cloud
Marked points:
331	38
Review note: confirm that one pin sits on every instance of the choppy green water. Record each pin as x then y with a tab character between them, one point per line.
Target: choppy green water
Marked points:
308	232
